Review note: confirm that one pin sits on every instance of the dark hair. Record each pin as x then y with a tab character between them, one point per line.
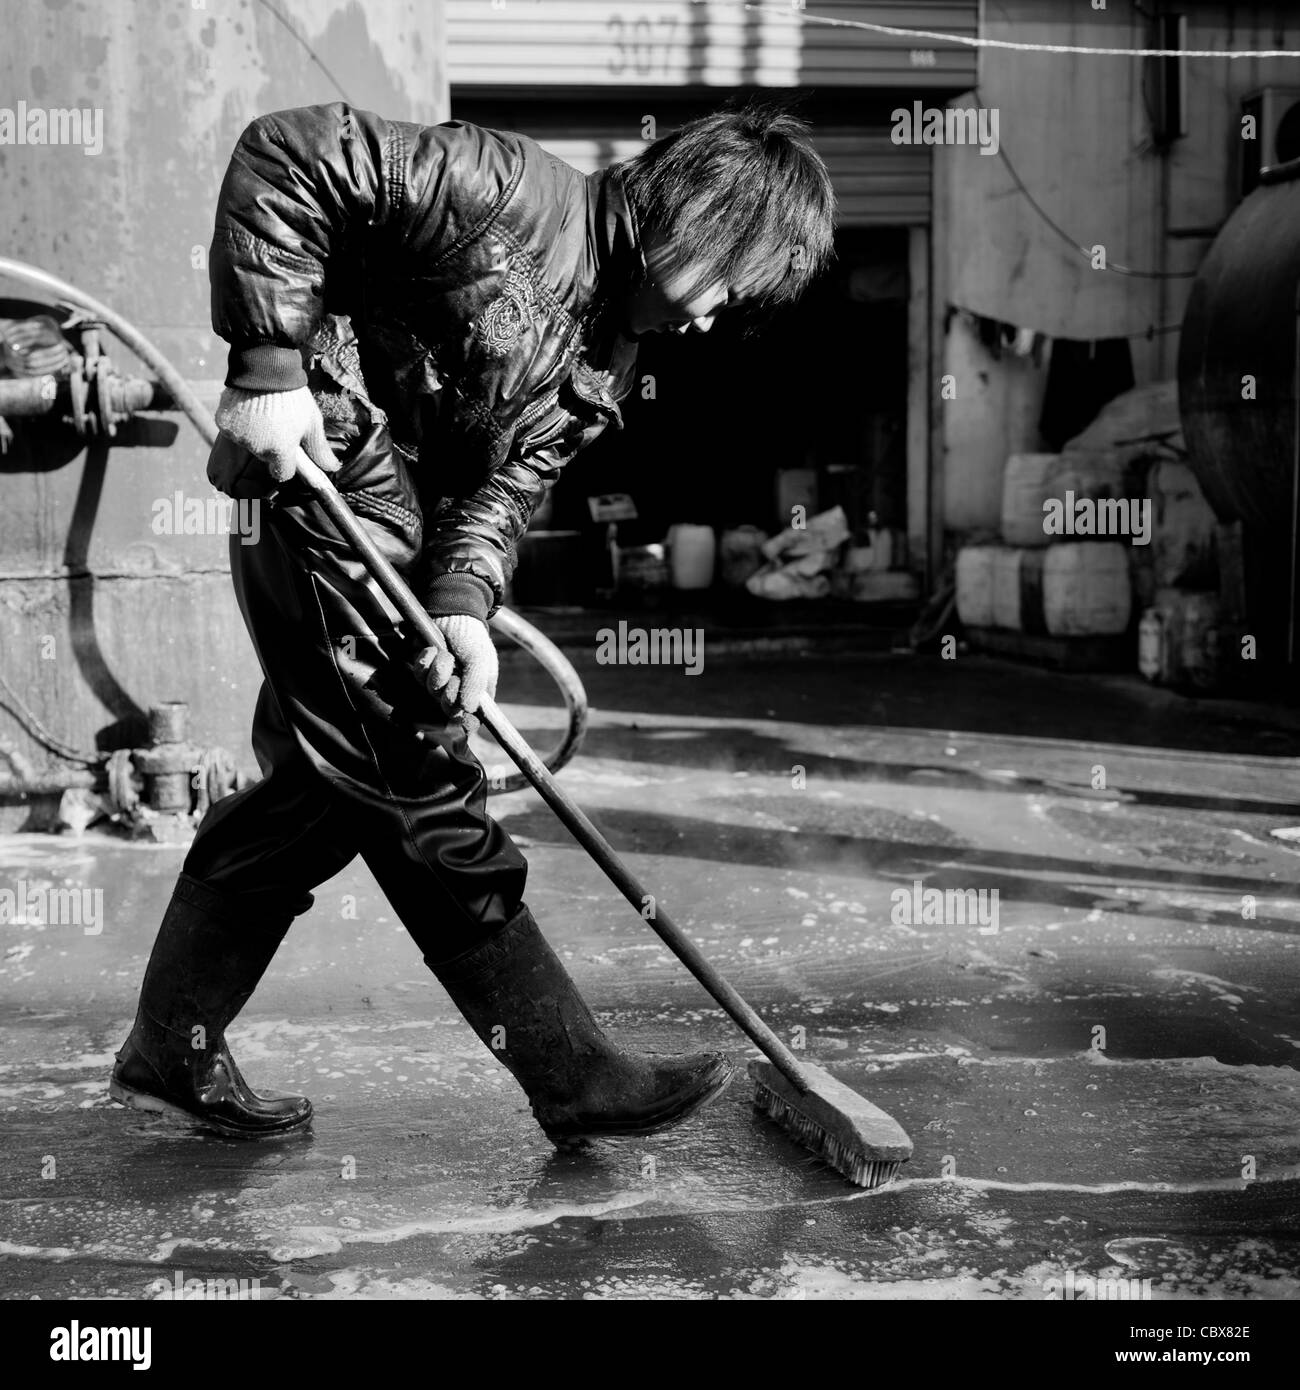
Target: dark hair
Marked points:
743	196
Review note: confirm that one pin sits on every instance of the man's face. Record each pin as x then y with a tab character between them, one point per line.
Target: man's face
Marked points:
666	303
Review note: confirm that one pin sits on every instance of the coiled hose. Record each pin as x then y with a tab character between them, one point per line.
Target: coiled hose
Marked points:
502	777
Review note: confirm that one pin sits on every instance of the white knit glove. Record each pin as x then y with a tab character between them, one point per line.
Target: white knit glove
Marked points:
271	425
461	683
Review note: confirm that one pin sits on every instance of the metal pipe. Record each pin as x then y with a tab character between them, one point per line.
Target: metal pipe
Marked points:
51	784
18	760
27	395
178	388
24	780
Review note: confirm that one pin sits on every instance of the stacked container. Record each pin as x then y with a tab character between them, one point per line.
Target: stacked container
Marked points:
1035	583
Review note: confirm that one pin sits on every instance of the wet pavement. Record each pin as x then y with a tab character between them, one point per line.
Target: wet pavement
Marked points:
1102	1081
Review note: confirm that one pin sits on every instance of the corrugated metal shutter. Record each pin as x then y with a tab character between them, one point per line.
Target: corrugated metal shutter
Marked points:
877	183
675	43
833	56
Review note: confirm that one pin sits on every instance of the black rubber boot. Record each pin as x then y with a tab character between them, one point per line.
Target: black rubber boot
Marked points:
519	999
206	962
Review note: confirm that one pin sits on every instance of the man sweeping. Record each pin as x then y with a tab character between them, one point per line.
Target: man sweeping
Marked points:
441	317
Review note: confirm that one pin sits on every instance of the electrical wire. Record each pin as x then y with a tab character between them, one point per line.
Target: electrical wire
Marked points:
1152	332
1060	231
311	52
21	711
799	15
1147	333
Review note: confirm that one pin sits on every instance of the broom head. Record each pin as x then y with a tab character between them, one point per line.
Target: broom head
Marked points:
855	1137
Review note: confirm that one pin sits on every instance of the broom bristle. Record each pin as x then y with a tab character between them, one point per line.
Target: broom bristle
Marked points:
846	1131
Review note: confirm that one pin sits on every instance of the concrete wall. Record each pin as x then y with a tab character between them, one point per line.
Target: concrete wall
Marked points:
1075	129
100	616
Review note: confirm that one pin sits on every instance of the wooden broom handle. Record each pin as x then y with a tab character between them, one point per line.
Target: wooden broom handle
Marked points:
574	818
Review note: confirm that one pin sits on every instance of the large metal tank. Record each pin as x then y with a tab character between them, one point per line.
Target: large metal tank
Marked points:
102	611
1238	395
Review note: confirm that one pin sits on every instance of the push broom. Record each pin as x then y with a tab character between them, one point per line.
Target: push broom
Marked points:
840	1126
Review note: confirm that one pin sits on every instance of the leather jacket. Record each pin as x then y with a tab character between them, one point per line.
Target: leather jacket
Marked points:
484	281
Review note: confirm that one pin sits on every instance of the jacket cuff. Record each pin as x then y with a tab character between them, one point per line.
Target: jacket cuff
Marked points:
460	592
265	367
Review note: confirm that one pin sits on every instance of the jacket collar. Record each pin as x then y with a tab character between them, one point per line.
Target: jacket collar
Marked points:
620	259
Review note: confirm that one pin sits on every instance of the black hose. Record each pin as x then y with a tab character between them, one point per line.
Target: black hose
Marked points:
506	622
505	777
